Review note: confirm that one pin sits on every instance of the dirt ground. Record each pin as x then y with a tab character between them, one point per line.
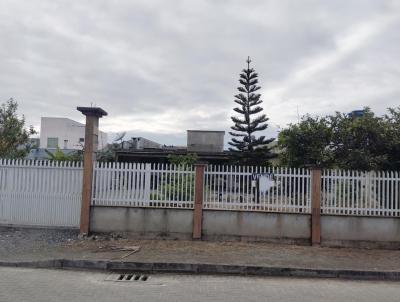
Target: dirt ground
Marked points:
17	244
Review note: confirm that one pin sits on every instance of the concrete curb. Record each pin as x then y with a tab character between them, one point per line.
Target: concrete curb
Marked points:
200	268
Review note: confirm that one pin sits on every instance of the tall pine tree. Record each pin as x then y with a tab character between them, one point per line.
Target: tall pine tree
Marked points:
247	149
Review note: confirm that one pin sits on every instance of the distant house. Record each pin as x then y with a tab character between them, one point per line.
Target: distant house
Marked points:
139	143
34	142
65	133
208	145
356	113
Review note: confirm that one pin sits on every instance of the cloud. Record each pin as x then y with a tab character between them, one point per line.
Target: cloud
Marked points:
312	81
160	68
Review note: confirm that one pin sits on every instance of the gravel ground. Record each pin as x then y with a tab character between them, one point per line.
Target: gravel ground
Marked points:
22	244
25	240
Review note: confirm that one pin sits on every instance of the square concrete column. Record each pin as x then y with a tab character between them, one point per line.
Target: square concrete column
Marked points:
315	206
198	200
89	156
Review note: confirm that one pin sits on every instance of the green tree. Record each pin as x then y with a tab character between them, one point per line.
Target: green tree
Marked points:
358	143
177	185
105	156
246	147
108	153
14	137
58	155
341	140
306	143
185	160
392	122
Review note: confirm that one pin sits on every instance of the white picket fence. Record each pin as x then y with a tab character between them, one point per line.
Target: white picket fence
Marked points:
48	193
41	193
375	193
143	185
238	188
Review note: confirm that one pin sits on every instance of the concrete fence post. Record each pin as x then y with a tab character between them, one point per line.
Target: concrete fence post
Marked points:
198	200
89	156
315	206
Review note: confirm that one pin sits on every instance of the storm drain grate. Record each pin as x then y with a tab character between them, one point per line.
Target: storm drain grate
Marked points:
128	277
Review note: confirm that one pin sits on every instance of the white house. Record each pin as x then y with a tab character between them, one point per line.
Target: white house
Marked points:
65	133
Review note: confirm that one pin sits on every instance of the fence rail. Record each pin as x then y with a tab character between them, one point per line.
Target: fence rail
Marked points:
373	193
240	188
143	185
41	193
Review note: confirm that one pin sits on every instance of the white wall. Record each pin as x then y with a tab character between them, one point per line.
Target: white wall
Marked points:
348	230
205	141
256	226
65	129
143	222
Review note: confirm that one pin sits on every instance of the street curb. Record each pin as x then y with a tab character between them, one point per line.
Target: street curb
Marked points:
200	268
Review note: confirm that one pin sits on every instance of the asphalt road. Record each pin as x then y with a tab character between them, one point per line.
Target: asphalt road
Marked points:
58	285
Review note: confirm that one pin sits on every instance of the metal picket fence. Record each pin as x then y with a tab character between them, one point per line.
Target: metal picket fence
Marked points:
143	185
238	188
374	193
43	193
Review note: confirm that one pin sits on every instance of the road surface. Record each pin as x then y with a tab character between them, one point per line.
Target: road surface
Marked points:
17	284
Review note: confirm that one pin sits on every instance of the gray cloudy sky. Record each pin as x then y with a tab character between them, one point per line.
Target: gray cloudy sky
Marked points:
161	67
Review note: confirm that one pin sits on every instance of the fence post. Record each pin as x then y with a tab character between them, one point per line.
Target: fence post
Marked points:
89	156
147	180
198	200
315	206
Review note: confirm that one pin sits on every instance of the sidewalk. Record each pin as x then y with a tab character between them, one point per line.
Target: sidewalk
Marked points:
32	245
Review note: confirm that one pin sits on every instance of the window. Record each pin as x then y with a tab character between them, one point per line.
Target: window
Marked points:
81	140
65	144
52	142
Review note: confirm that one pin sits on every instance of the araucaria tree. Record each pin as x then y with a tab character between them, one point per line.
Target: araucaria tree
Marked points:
246	147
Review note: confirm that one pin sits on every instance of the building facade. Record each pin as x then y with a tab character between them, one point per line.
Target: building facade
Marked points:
205	141
65	134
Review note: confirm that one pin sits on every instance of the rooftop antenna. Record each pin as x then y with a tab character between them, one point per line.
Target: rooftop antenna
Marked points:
120	136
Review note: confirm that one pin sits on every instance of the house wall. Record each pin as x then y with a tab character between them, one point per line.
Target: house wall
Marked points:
205	141
142	143
66	129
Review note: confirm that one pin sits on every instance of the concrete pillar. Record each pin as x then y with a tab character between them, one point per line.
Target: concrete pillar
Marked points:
198	200
89	156
315	206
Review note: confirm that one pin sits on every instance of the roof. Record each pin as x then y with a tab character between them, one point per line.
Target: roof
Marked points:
65	119
219	131
163	152
92	111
